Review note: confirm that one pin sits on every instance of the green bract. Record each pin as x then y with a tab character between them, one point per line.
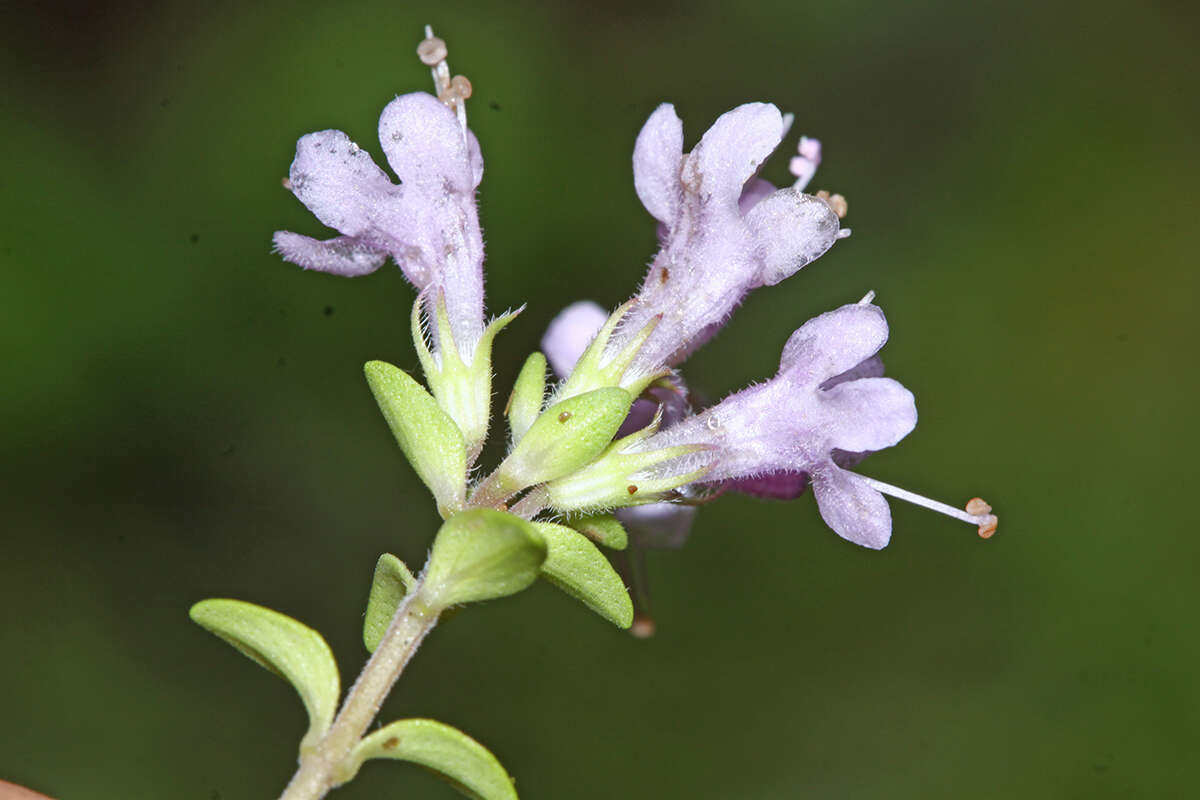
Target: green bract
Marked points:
597	368
480	555
436	746
430	439
528	392
286	647
574	565
463	390
565	437
622	476
392	582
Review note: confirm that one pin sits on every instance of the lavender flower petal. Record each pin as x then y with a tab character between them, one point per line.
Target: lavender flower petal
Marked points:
794	229
657	155
344	255
853	509
425	145
834	342
340	184
869	414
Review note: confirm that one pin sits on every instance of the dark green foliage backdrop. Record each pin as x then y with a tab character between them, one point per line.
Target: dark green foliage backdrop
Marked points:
182	415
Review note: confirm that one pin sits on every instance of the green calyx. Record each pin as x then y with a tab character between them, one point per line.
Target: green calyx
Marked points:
626	476
463	390
564	438
594	370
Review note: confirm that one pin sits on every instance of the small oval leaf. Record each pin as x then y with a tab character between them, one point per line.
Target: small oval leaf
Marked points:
482	554
436	746
286	647
603	529
391	583
576	566
430	439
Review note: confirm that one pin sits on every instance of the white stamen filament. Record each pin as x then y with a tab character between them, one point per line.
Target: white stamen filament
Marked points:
868	298
985	521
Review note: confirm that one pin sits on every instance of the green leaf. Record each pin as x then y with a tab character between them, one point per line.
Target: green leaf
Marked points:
525	403
566	436
576	566
288	648
391	583
603	529
482	554
429	438
436	746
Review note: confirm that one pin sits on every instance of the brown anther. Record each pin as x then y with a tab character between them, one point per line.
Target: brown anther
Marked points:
286	183
449	97
839	206
391	743
461	86
564	416
643	627
504	506
431	51
988	527
665	275
631	489
977	505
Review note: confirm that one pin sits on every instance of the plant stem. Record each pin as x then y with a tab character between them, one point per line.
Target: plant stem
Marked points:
319	767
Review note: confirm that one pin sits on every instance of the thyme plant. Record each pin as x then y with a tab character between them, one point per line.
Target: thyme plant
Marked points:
613	441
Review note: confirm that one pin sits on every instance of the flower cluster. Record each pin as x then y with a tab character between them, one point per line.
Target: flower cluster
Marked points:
617	432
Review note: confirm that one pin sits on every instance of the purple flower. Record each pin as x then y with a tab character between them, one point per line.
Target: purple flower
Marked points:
428	224
725	231
795	422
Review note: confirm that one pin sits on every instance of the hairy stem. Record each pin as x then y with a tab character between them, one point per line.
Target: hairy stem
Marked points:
320	767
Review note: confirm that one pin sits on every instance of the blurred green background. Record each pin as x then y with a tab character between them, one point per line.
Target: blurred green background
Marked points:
182	415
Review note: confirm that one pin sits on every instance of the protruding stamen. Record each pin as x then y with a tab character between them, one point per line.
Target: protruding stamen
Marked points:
433	52
977	512
804	165
835	202
868	298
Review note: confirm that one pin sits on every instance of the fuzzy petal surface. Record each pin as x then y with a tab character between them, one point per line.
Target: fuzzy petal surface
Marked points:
853	509
344	255
339	183
657	156
732	151
869	414
834	342
794	229
425	145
